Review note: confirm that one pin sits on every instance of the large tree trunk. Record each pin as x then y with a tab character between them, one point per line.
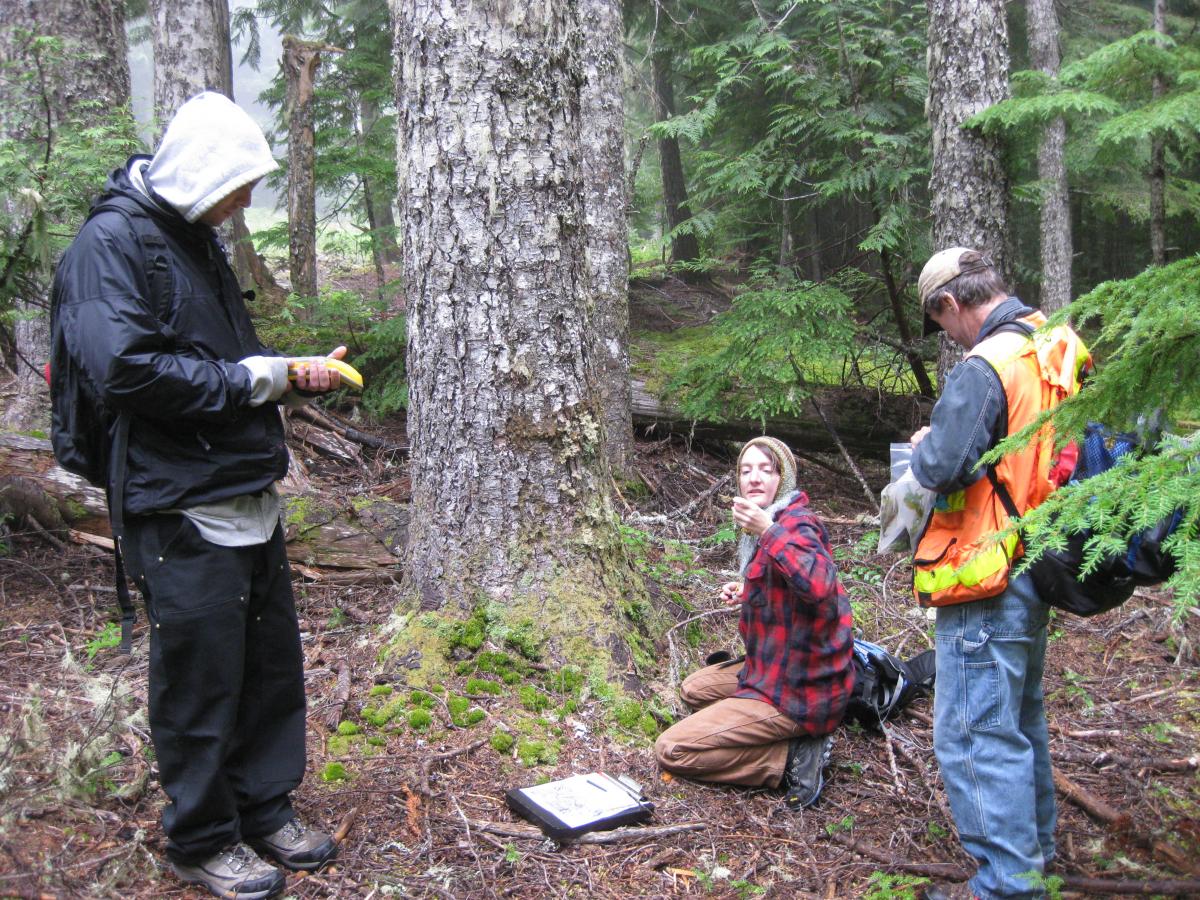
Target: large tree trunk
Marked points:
684	247
968	72
511	512
89	78
192	54
300	61
603	134
1158	168
1056	247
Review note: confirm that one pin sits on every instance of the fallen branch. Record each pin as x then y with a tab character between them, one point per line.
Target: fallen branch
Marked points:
344	826
640	833
1120	823
1103	758
430	762
341	696
941	871
1169	887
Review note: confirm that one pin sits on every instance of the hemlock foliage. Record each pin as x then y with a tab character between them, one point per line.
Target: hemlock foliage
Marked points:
1146	338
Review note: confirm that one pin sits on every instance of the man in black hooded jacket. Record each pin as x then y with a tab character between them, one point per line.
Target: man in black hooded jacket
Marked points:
201	535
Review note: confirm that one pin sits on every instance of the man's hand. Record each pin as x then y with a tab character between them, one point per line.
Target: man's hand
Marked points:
750	516
317	378
731	593
919	435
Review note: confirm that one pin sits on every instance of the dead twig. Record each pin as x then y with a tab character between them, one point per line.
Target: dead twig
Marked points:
341	696
1120	823
428	764
941	871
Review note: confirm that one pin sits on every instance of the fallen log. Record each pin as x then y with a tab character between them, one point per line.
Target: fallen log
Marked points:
866	421
368	534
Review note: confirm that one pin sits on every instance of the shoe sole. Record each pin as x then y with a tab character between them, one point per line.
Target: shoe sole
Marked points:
265	849
272	891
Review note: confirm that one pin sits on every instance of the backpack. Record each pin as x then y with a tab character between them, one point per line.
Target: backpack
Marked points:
884	684
82	428
1056	573
88	438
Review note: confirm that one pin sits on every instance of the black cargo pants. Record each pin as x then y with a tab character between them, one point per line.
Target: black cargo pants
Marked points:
226	682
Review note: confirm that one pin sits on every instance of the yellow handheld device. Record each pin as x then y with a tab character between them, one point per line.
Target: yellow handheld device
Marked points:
349	374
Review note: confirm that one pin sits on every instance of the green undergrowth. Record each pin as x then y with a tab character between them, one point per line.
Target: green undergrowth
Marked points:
528	711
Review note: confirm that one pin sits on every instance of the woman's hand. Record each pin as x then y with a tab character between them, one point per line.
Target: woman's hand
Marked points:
750	516
731	593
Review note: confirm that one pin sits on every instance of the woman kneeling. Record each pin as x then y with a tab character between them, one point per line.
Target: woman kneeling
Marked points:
769	722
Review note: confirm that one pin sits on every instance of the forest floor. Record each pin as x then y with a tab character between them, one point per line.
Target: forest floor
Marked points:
79	801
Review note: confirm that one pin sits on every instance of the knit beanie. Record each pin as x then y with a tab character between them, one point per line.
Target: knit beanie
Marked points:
211	148
785	463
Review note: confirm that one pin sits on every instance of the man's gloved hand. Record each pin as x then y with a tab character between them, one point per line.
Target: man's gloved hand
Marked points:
268	378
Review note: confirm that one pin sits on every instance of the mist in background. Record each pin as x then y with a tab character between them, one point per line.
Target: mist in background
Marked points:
248	83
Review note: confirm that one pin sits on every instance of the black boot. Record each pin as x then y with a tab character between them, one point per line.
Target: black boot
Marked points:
802	776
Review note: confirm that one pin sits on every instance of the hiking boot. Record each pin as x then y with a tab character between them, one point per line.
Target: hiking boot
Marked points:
236	871
802	775
296	846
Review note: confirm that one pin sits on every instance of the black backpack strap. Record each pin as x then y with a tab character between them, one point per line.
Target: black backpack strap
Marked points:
116	517
159	278
922	668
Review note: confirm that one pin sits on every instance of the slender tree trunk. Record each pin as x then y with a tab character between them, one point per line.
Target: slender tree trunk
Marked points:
511	508
378	205
1158	169
192	53
603	135
1056	246
968	72
684	247
90	78
300	61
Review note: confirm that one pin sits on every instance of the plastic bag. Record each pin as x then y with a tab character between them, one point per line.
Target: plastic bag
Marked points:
904	505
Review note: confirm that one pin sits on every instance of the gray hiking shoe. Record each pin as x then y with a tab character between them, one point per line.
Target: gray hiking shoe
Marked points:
296	846
236	871
802	776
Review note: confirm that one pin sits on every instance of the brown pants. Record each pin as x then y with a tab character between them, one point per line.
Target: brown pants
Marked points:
728	739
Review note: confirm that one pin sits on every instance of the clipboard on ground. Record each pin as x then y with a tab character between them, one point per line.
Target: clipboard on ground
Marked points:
570	807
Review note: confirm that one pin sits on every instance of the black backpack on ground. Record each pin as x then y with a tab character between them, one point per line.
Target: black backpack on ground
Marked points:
884	684
89	439
1056	573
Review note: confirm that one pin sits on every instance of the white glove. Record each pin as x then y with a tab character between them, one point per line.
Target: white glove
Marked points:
268	377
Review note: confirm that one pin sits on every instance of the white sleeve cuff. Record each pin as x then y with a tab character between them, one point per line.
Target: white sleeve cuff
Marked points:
268	377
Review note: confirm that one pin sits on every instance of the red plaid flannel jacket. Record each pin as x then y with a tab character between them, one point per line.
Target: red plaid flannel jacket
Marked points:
796	624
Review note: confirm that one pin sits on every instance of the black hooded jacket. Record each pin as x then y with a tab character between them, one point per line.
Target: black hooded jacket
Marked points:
194	438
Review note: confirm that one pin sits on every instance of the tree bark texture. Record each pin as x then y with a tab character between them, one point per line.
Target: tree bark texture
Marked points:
191	53
1158	168
684	247
300	61
89	78
968	72
1056	244
510	503
603	136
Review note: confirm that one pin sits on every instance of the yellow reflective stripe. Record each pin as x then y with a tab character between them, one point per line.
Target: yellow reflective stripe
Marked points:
987	562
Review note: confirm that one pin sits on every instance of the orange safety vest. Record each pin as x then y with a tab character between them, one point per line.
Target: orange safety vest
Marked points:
959	557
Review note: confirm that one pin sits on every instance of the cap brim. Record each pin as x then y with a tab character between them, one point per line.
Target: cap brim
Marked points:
931	327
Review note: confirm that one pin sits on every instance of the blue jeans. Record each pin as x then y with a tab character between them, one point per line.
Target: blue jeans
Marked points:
990	736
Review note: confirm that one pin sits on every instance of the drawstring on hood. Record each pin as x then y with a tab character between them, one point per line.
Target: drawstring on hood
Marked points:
211	148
